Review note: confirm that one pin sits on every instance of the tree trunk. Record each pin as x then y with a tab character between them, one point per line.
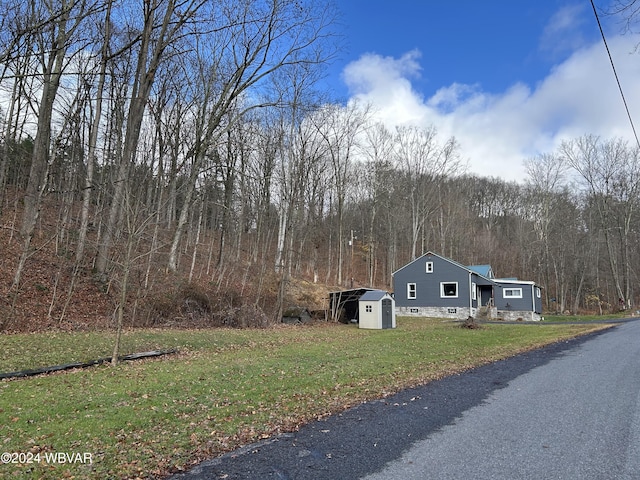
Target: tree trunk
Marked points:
93	139
154	40
197	240
122	302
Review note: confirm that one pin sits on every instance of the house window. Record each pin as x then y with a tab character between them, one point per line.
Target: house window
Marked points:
452	310
449	289
429	268
413	310
538	292
368	308
411	291
474	295
512	293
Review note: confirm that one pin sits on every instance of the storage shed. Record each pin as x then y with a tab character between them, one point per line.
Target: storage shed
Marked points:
343	305
377	310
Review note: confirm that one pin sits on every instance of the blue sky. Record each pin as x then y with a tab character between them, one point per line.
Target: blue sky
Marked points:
509	79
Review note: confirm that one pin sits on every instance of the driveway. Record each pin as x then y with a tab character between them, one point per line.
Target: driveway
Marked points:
568	411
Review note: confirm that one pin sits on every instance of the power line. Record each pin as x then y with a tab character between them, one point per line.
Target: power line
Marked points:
595	12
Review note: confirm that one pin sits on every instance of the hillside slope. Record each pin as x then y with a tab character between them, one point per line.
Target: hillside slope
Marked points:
50	296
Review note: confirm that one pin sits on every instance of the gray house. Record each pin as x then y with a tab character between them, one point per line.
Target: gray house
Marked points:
435	286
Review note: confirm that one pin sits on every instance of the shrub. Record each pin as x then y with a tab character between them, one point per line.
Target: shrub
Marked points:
470	323
192	306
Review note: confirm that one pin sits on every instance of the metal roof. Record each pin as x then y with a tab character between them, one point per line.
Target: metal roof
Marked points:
484	270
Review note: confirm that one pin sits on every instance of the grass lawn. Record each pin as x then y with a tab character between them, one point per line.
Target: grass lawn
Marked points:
586	318
223	389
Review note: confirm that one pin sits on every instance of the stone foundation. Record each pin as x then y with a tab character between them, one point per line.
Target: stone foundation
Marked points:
462	313
454	313
518	316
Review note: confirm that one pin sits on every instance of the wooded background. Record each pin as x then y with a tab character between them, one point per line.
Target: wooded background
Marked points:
165	159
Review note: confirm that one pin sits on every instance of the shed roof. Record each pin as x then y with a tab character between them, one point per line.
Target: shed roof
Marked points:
373	295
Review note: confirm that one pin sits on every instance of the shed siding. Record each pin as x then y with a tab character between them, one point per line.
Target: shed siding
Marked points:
369	319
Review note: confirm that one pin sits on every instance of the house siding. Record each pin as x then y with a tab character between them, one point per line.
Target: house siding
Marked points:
429	300
428	284
529	307
524	303
538	299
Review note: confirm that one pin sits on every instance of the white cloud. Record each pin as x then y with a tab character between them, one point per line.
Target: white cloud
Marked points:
372	71
562	34
386	83
498	131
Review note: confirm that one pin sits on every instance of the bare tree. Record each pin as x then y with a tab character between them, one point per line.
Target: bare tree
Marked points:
378	149
300	150
261	172
251	42
52	29
546	177
340	128
628	10
611	174
93	133
19	112
163	25
135	225
423	163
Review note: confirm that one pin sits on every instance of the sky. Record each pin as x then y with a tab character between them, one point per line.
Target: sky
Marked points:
509	79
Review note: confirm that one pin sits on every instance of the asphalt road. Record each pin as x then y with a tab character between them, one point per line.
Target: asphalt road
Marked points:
567	411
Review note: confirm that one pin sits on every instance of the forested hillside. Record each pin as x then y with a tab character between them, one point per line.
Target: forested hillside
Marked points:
171	163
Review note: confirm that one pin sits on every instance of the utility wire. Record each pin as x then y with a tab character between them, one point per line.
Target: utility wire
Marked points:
595	12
